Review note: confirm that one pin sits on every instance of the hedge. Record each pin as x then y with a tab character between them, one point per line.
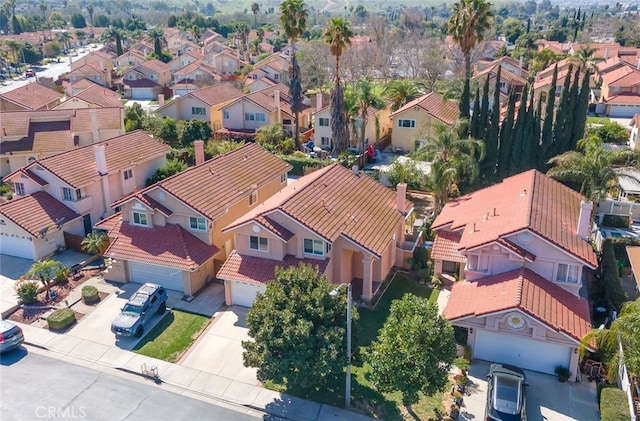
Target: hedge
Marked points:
90	294
620	248
608	286
616	221
299	163
614	405
60	319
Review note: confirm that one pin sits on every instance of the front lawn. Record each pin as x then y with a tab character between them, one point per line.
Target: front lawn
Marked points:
170	338
597	120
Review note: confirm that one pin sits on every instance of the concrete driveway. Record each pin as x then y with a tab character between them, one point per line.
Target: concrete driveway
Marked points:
219	350
547	399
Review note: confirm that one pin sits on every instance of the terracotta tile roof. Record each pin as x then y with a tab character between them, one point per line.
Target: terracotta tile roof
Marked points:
445	247
155	65
88	69
624	76
274	227
527	291
196	65
438	107
529	200
121	153
170	246
217	94
504	75
634	257
610	64
83	83
32	96
100	96
624	99
36	212
210	188
42	137
256	270
333	202
635	121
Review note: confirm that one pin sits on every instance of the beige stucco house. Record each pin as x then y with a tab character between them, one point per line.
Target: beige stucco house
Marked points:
199	104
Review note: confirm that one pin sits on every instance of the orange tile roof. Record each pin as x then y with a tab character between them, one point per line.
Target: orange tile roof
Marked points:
170	245
36	212
42	137
210	188
333	202
155	65
196	65
527	291
32	96
100	96
217	94
635	121
624	99
83	83
504	75
88	69
121	153
257	270
529	200
624	76
445	247
440	108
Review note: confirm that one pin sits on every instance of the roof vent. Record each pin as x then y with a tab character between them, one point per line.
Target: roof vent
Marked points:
524	192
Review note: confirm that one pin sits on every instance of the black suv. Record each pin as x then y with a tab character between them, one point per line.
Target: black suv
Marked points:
150	299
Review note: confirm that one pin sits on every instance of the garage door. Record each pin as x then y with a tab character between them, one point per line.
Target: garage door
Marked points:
16	246
524	353
243	294
142	94
169	278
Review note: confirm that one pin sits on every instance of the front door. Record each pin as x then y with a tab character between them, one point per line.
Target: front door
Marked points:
88	227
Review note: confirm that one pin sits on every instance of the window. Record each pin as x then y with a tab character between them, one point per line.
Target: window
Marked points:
72	195
314	247
327	248
276	76
253	198
260	117
198	111
140	219
152	76
472	262
323	121
411	124
197	223
18	188
128	174
283	178
225	115
567	273
258	243
286	122
249	116
324	141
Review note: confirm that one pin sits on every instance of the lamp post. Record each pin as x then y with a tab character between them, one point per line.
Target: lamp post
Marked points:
347	393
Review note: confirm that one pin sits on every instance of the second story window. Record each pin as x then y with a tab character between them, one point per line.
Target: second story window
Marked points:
18	189
249	116
198	111
323	121
260	117
314	247
140	218
258	243
225	115
407	124
253	198
197	223
567	273
71	195
128	174
283	178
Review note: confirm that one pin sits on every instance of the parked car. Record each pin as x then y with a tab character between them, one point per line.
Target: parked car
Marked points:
30	73
11	336
150	299
506	394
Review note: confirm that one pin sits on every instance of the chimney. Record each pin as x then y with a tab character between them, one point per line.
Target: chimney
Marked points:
101	159
638	65
319	98
401	197
160	100
199	147
584	219
95	133
276	101
606	54
354	170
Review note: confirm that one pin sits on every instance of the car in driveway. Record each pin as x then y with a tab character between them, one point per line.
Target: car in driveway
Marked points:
506	394
11	336
150	299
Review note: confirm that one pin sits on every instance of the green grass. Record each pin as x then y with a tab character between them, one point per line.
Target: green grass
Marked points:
170	338
387	406
597	120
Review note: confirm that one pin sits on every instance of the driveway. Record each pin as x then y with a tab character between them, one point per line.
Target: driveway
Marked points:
219	350
547	399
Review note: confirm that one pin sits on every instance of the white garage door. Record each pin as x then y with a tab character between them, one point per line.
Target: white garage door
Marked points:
169	278
624	110
521	352
243	294
15	246
142	94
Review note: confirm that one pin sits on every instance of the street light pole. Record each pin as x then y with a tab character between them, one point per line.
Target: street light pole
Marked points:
334	293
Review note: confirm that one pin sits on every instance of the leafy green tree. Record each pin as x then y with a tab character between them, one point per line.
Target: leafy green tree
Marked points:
476	114
546	149
218	147
517	135
491	142
298	330
569	142
483	119
133	117
95	242
45	271
559	144
366	97
101	21
78	21
506	138
610	132
114	34
192	130
413	352
531	143
173	166
90	12
255	9
581	110
405	172
157	37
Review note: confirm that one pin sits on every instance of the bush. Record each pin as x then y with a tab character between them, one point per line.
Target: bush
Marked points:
300	162
419	260
62	273
26	290
562	372
620	248
614	405
616	221
608	286
90	294
61	319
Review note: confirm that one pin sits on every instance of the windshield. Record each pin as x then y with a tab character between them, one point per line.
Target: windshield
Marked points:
506	394
131	309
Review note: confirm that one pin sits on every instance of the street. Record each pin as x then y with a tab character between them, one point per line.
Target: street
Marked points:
34	386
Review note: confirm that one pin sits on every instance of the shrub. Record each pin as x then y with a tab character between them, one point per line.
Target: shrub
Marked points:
562	372
61	319
90	294
300	162
614	405
27	290
62	273
419	260
463	364
608	286
616	221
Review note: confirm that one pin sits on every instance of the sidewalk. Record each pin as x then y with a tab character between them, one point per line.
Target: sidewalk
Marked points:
181	379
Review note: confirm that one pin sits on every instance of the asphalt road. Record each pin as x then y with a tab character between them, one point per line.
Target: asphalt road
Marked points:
35	387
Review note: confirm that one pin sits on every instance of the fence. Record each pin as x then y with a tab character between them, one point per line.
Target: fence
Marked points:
72	241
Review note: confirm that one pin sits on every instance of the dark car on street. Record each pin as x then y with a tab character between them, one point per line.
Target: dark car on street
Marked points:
506	394
150	299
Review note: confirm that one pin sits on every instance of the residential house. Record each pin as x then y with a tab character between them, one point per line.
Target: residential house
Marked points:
508	81
414	120
633	252
226	62
634	138
171	232
29	135
198	104
182	88
30	97
91	71
215	46
509	64
147	80
94	96
72	89
620	92
198	72
100	174
100	59
313	221
130	59
274	67
522	247
180	61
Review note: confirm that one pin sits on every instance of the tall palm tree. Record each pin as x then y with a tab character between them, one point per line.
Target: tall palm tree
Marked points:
338	35
293	18
90	12
367	97
16	48
255	9
401	92
44	270
43	9
64	38
114	34
470	20
586	59
157	36
242	32
453	159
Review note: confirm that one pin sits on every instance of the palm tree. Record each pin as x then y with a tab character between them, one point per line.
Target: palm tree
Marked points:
255	8
338	35
242	32
64	38
470	20
401	92
453	159
16	48
293	18
586	59
114	34
367	97
81	36
157	36
45	270
90	12
43	9
95	243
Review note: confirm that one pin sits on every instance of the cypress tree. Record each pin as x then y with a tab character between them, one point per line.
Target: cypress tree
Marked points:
483	118
491	142
547	127
464	100
476	115
561	115
517	136
504	153
581	110
537	155
567	130
529	141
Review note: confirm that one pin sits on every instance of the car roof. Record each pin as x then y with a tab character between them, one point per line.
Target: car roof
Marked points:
142	295
507	369
6	326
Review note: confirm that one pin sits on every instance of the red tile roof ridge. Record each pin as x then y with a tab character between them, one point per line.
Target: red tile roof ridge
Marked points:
55	208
